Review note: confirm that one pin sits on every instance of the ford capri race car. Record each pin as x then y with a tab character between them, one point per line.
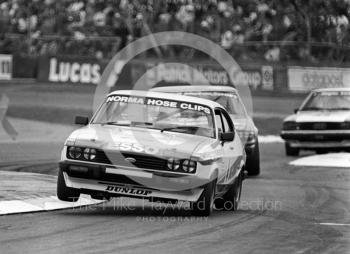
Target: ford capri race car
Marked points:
322	123
155	146
229	98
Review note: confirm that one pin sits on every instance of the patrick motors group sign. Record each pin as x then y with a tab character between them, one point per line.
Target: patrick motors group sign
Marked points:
202	74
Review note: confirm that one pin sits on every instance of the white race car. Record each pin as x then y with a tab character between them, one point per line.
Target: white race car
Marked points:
322	122
229	98
156	146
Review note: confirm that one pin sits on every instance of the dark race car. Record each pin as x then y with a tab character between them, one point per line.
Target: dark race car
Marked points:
229	98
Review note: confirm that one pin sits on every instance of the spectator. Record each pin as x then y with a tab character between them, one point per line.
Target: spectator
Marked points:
231	23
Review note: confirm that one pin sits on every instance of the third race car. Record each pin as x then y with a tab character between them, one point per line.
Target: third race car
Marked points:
322	123
229	98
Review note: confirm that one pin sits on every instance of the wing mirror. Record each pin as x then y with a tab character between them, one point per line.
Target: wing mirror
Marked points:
227	136
296	110
81	120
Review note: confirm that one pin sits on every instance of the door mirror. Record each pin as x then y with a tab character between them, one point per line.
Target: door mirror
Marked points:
296	110
227	136
81	120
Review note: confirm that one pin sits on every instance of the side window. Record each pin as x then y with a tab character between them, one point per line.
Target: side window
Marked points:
228	127
218	119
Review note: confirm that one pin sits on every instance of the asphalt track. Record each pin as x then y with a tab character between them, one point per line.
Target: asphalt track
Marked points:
288	209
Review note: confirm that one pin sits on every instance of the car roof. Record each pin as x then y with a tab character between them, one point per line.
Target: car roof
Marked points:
161	95
194	88
333	89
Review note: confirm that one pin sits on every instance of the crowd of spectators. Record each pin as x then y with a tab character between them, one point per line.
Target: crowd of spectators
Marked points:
269	29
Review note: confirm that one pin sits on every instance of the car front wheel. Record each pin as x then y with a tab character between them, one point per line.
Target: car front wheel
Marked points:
204	205
291	151
230	201
65	193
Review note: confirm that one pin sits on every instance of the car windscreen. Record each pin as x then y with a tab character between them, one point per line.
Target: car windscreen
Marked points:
230	101
156	113
337	100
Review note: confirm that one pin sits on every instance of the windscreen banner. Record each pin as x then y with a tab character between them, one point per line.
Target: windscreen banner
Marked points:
5	67
304	79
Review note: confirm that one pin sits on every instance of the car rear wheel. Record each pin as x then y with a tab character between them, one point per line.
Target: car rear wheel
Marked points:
253	161
204	205
230	200
65	193
291	151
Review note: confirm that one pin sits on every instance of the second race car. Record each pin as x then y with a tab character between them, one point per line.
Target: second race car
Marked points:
229	98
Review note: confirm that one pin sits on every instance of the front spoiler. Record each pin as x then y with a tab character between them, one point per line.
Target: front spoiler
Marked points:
116	189
298	144
317	139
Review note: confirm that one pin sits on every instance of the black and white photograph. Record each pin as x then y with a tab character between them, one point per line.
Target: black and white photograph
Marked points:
175	126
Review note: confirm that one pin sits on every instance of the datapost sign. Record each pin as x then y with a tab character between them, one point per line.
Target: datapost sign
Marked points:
77	70
302	79
5	67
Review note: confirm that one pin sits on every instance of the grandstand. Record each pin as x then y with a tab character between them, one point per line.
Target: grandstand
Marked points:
272	30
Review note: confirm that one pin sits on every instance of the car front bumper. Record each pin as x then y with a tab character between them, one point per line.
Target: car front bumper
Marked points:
109	180
317	139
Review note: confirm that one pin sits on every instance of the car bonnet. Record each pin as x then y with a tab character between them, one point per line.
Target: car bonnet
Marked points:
138	140
320	116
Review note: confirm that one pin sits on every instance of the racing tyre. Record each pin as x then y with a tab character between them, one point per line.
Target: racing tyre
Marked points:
205	204
99	197
230	201
65	193
291	151
253	161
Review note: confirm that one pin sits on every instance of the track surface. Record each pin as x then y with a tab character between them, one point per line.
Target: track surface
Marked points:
282	211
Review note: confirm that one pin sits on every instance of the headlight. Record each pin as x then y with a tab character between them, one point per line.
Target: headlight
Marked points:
251	137
74	152
185	166
188	166
173	164
247	137
290	126
89	154
81	153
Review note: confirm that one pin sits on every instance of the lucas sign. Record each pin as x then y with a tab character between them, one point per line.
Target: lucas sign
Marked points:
76	70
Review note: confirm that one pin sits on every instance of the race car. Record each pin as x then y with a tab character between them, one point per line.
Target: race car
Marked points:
155	146
322	123
229	98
